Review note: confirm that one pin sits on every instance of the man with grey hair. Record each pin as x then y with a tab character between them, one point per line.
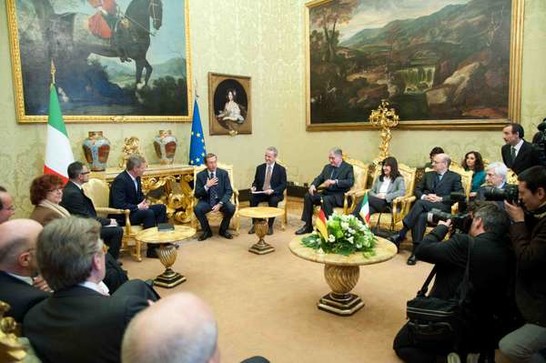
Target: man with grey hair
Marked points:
335	180
269	184
177	329
80	322
432	192
495	177
486	305
126	193
20	285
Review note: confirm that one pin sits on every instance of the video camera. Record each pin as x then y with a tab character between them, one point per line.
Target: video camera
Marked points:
461	221
539	142
510	193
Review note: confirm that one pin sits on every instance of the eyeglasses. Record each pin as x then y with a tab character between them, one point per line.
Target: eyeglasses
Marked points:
58	189
11	208
85	172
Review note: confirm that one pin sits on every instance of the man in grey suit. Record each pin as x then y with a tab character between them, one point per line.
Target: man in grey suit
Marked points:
213	188
335	180
433	191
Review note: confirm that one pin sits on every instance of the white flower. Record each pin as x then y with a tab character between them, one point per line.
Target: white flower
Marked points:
350	239
344	226
331	238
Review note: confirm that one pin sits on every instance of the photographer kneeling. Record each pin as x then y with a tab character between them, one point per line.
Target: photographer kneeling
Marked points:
528	235
490	261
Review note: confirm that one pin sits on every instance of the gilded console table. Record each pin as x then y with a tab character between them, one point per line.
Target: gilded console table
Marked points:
165	184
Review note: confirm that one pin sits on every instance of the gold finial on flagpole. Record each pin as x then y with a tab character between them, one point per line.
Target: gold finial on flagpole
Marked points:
53	70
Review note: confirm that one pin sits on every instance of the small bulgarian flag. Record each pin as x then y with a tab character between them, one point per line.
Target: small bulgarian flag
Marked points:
320	224
365	209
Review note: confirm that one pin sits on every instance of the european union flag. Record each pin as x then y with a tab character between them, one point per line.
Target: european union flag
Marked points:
197	141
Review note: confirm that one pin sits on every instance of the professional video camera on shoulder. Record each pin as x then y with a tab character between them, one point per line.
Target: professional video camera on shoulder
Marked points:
539	142
509	193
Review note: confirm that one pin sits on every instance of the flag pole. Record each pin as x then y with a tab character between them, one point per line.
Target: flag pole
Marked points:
53	70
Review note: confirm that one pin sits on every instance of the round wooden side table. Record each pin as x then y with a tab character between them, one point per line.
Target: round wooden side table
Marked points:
261	214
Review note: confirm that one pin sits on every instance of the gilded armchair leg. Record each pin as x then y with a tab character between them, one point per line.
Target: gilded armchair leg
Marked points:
137	254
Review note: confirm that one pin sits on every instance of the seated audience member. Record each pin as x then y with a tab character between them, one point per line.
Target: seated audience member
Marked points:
77	203
20	284
490	270
7	209
126	193
270	181
328	188
433	191
434	151
180	328
46	193
495	176
213	189
80	322
528	235
473	162
517	154
388	186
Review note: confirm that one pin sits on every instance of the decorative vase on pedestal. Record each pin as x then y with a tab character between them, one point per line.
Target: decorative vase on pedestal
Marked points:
165	146
96	149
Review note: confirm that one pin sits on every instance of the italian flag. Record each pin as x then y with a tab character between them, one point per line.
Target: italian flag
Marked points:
58	151
320	224
365	209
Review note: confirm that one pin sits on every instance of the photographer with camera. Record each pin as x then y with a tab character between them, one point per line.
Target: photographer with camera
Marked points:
489	272
528	235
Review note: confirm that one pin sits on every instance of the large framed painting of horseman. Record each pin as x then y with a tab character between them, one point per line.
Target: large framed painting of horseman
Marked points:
439	63
114	60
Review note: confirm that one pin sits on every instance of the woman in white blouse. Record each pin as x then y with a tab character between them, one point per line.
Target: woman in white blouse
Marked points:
389	185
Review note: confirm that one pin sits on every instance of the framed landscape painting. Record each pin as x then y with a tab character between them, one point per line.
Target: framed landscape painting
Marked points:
439	63
124	61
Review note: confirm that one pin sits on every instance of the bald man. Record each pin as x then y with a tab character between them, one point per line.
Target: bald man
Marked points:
179	328
19	284
7	210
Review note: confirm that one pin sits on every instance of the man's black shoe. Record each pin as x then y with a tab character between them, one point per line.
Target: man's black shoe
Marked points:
204	236
151	252
226	234
305	229
251	230
270	231
412	260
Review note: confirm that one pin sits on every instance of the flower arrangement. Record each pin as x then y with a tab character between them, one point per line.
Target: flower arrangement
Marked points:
343	234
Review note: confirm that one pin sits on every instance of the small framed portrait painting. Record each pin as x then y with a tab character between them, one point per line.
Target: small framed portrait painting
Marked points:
229	104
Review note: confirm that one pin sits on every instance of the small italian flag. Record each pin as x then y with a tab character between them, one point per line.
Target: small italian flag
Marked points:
58	151
365	209
320	224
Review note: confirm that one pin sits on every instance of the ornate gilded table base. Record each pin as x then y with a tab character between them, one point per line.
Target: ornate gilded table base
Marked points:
167	256
261	247
341	279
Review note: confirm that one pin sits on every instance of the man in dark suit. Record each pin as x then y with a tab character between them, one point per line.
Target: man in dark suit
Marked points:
495	177
80	322
77	203
433	191
487	305
335	180
20	285
126	193
213	188
517	154
269	184
7	210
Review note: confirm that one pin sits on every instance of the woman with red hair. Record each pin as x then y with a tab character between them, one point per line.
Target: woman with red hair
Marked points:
46	192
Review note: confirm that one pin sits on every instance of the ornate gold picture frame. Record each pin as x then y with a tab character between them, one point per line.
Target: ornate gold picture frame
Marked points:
440	64
230	111
129	63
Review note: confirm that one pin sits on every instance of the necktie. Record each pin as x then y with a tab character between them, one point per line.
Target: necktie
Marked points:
513	153
213	193
136	185
333	175
267	181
